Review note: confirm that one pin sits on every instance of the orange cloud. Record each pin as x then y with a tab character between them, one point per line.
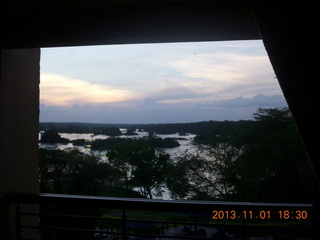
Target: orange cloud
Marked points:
60	90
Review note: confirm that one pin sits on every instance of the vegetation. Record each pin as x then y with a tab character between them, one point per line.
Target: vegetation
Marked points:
157	142
140	166
262	160
154	142
50	136
73	172
131	132
95	129
165	128
111	131
79	142
129	166
105	144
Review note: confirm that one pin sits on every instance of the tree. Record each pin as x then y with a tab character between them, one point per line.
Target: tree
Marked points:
177	180
260	161
131	132
273	162
51	136
140	166
149	172
73	172
273	115
79	142
156	142
119	158
105	144
204	175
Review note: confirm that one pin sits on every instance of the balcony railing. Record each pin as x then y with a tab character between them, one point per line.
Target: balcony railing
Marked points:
86	217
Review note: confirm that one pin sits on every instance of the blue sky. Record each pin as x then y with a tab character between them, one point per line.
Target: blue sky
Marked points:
157	83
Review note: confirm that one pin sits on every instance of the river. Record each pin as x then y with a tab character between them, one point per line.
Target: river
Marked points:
186	144
184	141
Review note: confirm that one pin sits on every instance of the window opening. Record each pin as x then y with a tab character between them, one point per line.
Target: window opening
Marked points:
177	111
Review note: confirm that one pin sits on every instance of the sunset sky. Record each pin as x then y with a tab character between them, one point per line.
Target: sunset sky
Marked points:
157	83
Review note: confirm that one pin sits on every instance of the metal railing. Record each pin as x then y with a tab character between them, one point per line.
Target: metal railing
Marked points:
82	217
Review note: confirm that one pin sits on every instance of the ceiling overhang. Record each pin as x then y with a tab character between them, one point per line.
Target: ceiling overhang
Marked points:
78	23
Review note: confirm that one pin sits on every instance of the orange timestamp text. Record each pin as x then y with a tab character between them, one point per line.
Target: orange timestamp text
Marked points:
262	214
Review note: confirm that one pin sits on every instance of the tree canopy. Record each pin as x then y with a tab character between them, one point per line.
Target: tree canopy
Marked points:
140	166
74	172
260	160
154	142
51	136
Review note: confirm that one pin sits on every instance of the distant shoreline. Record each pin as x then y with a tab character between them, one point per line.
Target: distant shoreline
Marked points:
159	128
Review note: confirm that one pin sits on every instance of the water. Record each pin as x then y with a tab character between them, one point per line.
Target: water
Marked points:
184	141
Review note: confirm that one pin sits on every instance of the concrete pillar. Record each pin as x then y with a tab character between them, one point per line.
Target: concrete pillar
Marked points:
19	102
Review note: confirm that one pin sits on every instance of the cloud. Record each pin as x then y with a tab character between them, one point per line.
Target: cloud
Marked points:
259	100
223	67
59	90
177	82
175	95
218	73
149	111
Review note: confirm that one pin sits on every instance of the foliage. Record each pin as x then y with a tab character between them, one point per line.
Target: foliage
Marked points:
140	166
106	129
260	160
157	142
164	128
79	142
221	130
177	180
105	144
153	142
272	160
73	172
110	131
197	176
50	136
131	163
131	132
60	172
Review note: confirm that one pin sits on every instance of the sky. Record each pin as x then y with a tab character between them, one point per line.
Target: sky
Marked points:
157	83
